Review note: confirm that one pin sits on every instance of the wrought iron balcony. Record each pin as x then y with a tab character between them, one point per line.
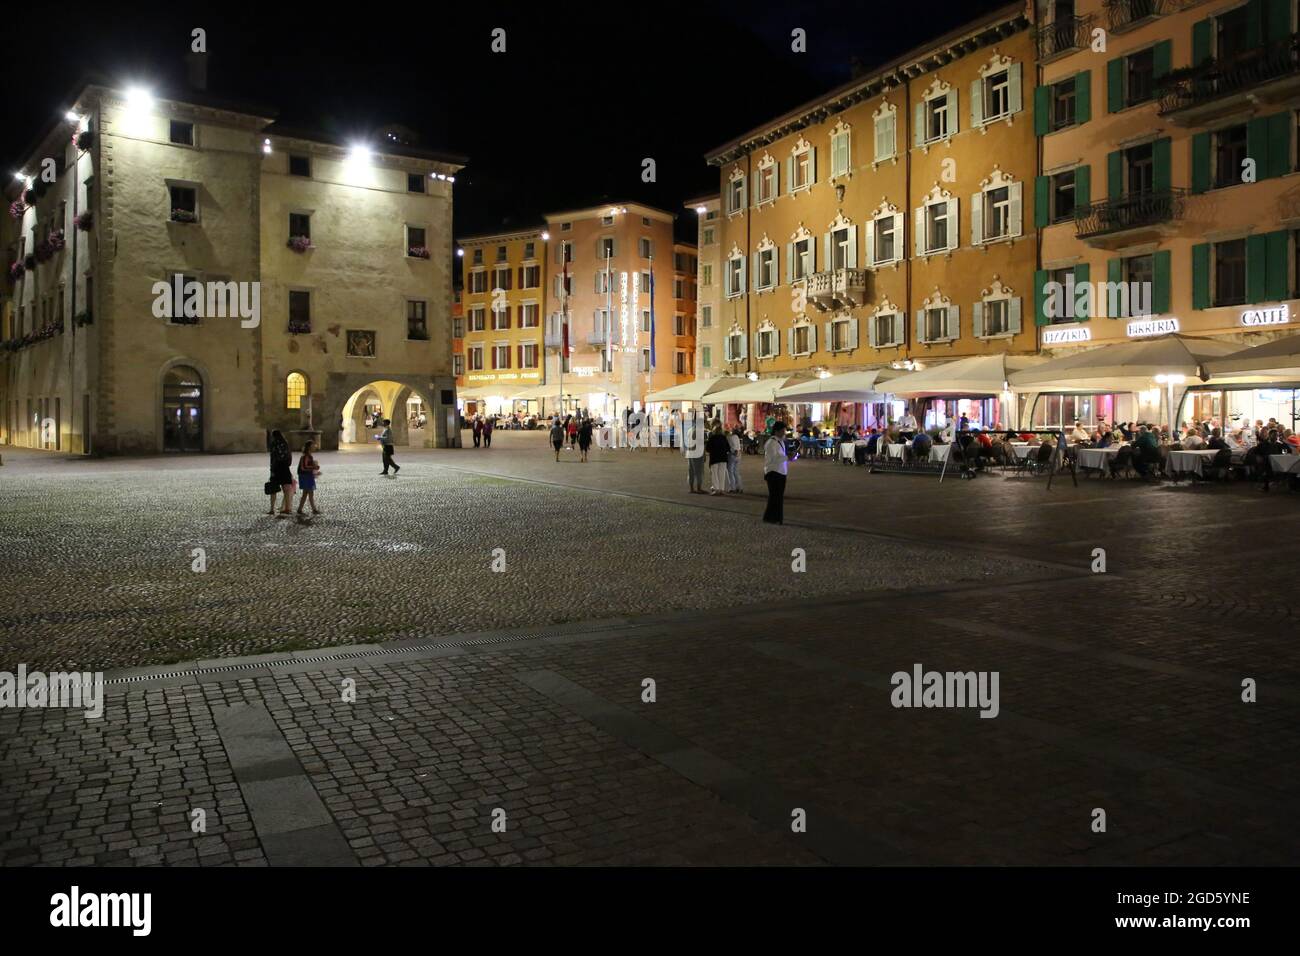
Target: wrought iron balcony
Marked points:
1062	36
1137	211
1123	14
839	288
1215	80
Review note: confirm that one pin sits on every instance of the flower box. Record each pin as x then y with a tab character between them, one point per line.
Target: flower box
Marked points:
83	319
16	270
418	252
299	327
17	208
85	220
57	241
299	243
84	139
184	215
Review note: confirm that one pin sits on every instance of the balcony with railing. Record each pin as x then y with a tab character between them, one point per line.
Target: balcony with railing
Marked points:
1270	72
1123	220
1123	15
1063	36
598	336
838	289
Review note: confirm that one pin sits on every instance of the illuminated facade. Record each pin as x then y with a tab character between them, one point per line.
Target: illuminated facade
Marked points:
708	285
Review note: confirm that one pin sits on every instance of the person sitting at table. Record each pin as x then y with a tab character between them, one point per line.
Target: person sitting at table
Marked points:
1125	430
1032	438
1103	438
1291	439
1192	440
1271	445
1146	451
1078	433
873	441
921	445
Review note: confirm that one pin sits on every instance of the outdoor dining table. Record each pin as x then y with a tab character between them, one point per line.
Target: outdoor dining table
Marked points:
1022	449
1285	464
1188	462
939	452
895	451
1098	458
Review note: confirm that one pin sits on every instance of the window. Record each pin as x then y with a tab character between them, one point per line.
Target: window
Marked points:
997	95
1229	154
885	244
767	347
299	312
1139	77
299	225
531	277
1139	273
937	121
706	357
938	232
458	365
886	330
936	325
997	213
765	278
295	387
361	343
1139	163
563	286
1230	272
767	184
502	278
706	274
997	317
645	320
736	196
416	328
415	243
646	281
500	318
707	237
679	289
645	248
840	153
565	226
1064	104
801	259
679	363
181	133
1062	196
803	170
886	133
528	356
844	336
415	182
300	166
458	327
530	315
607	220
177	290
679	325
1232	38
604	281
501	355
185	204
478	282
1059	309
801	340
605	248
477	258
843	248
735	277
475	354
478	319
645	360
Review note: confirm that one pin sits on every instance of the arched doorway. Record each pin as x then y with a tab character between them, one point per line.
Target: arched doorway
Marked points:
404	405
182	409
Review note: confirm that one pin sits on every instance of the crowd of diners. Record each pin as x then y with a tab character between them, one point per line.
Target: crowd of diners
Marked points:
1142	447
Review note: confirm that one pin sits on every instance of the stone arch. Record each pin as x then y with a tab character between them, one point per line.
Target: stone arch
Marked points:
205	417
343	394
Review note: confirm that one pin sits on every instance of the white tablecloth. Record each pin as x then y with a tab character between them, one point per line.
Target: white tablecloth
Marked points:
846	451
1024	449
1283	464
895	451
1099	458
1189	462
939	452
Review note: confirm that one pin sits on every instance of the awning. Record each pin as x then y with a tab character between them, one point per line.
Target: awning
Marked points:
1123	366
694	391
846	387
763	390
979	375
504	392
1271	363
535	392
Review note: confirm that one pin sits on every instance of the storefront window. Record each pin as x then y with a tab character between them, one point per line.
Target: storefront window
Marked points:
1062	411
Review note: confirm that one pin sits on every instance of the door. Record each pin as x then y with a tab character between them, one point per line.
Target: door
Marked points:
182	410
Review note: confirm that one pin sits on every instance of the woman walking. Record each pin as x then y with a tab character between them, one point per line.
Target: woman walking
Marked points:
281	474
557	436
571	427
718	451
584	438
478	430
307	472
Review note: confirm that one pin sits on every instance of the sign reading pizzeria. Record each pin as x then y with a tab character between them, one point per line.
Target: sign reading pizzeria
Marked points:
1146	327
1277	315
1066	336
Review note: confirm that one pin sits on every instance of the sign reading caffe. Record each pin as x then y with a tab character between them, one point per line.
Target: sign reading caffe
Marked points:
1277	315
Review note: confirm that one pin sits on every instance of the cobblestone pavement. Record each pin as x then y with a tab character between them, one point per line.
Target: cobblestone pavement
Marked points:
1119	691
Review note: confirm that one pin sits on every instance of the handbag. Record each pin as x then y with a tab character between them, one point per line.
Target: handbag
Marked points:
271	488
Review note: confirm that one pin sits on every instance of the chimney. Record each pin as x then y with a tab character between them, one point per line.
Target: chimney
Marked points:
196	65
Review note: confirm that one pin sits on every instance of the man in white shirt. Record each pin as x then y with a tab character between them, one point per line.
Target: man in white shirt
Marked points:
776	461
907	423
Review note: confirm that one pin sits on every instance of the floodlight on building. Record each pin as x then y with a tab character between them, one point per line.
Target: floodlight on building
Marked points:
460	252
71	117
19	176
545	236
752	376
266	146
138	98
360	153
701	210
451	179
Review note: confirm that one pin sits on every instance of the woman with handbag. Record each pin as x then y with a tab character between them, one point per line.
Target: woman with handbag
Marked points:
308	470
281	476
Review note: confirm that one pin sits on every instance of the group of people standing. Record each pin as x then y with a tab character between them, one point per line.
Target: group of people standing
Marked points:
282	477
576	431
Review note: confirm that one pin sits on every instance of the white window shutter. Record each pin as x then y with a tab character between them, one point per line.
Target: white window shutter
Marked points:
954	321
920	325
726	348
789	341
899	235
829	341
976	218
744	347
918	128
826	248
744	192
776	180
853	333
789	173
1013	316
871	331
598	288
812	338
852	258
1017	211
977	320
954	224
812	166
891	136
898	328
743	286
776	343
812	257
758	346
1014	102
976	103
919	232
953	125
789	261
871	244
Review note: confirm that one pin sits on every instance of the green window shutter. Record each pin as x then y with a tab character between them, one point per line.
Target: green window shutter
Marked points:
1115	85
1042	110
1162	56
1115	174
1083	97
1161	177
1277	20
1114	275
1279	144
1257	145
1200	162
1082	186
1276	282
1201	42
1255	22
1040	312
1201	276
1160	294
1042	199
1256	264
1081	282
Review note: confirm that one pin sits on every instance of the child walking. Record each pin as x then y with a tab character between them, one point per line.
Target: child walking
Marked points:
307	472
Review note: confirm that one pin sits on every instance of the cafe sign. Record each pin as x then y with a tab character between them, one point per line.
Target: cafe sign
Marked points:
584	371
1147	327
1278	315
1066	336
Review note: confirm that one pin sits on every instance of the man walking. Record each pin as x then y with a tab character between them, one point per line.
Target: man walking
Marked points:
488	424
775	463
386	440
693	449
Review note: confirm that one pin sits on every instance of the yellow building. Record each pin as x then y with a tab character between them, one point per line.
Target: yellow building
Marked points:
1168	190
200	274
504	293
708	284
885	222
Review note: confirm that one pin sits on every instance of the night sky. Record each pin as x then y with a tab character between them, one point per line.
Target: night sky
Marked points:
562	119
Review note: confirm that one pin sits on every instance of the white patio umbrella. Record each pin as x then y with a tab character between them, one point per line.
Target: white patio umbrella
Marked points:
1273	362
978	375
695	391
845	387
1124	366
763	390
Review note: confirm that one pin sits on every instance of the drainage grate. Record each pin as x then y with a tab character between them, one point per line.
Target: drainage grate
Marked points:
373	652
